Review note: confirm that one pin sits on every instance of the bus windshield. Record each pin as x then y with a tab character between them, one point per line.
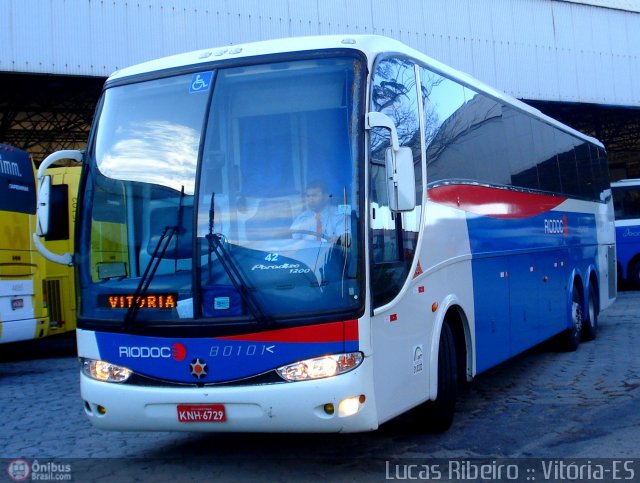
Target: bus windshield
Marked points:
227	194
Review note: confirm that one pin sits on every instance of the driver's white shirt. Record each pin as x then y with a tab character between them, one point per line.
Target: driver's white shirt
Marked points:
333	223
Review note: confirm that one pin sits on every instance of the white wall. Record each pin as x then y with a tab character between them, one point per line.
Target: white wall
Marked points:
533	49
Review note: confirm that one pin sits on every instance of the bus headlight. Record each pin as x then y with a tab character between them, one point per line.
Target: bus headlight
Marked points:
320	367
104	371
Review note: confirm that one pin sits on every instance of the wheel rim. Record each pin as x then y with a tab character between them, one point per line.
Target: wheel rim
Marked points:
576	315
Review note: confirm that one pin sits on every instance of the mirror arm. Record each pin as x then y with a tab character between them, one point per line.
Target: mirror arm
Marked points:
379	119
57	156
64	259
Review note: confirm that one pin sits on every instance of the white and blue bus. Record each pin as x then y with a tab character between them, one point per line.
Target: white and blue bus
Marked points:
626	205
454	227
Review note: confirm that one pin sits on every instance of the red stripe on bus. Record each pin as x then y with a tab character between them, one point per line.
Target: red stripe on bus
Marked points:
494	202
330	332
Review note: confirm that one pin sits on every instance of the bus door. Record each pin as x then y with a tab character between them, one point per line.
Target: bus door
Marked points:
400	324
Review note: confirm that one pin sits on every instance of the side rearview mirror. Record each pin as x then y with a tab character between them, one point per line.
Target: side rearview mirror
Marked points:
401	178
43	213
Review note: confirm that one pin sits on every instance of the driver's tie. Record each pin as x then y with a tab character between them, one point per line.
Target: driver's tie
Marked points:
318	227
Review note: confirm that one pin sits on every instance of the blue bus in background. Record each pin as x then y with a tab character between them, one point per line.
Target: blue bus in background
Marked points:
626	201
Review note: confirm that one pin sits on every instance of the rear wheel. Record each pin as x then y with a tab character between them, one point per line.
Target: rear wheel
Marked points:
590	326
570	338
437	416
634	274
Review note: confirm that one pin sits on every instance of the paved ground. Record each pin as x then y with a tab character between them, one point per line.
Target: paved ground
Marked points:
542	404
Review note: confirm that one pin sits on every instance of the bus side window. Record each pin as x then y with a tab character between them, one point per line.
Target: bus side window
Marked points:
631	204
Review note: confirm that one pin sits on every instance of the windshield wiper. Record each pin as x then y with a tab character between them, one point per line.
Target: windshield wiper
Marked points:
217	245
149	273
152	266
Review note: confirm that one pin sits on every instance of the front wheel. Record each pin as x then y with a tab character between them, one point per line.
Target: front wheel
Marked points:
437	416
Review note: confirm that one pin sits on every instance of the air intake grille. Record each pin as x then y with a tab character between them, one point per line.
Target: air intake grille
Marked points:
54	302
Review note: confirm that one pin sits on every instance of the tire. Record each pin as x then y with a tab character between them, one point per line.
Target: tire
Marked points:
634	275
437	416
590	325
570	338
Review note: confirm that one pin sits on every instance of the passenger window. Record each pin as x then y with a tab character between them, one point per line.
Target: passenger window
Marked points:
566	145
442	100
544	146
599	158
586	188
520	151
626	202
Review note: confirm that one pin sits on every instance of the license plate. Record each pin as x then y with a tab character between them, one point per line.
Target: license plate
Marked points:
201	413
17	304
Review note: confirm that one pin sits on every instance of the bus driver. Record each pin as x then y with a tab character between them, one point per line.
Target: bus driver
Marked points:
321	220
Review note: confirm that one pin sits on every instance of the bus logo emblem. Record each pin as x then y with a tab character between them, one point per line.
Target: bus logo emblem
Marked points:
178	351
198	368
557	226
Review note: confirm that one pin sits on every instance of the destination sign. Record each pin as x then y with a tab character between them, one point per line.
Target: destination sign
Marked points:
148	301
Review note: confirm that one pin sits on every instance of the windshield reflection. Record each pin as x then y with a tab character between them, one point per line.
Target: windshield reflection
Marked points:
150	132
155	152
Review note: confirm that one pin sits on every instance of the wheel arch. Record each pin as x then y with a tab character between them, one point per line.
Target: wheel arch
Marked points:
451	312
593	281
629	269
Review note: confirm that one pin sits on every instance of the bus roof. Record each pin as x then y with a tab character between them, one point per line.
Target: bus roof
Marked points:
370	45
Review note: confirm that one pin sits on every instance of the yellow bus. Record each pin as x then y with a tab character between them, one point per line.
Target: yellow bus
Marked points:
23	314
37	296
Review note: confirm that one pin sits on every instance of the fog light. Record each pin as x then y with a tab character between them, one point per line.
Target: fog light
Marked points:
329	408
104	371
350	406
101	410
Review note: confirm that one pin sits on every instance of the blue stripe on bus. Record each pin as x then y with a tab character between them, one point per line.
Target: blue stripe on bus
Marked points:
227	360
